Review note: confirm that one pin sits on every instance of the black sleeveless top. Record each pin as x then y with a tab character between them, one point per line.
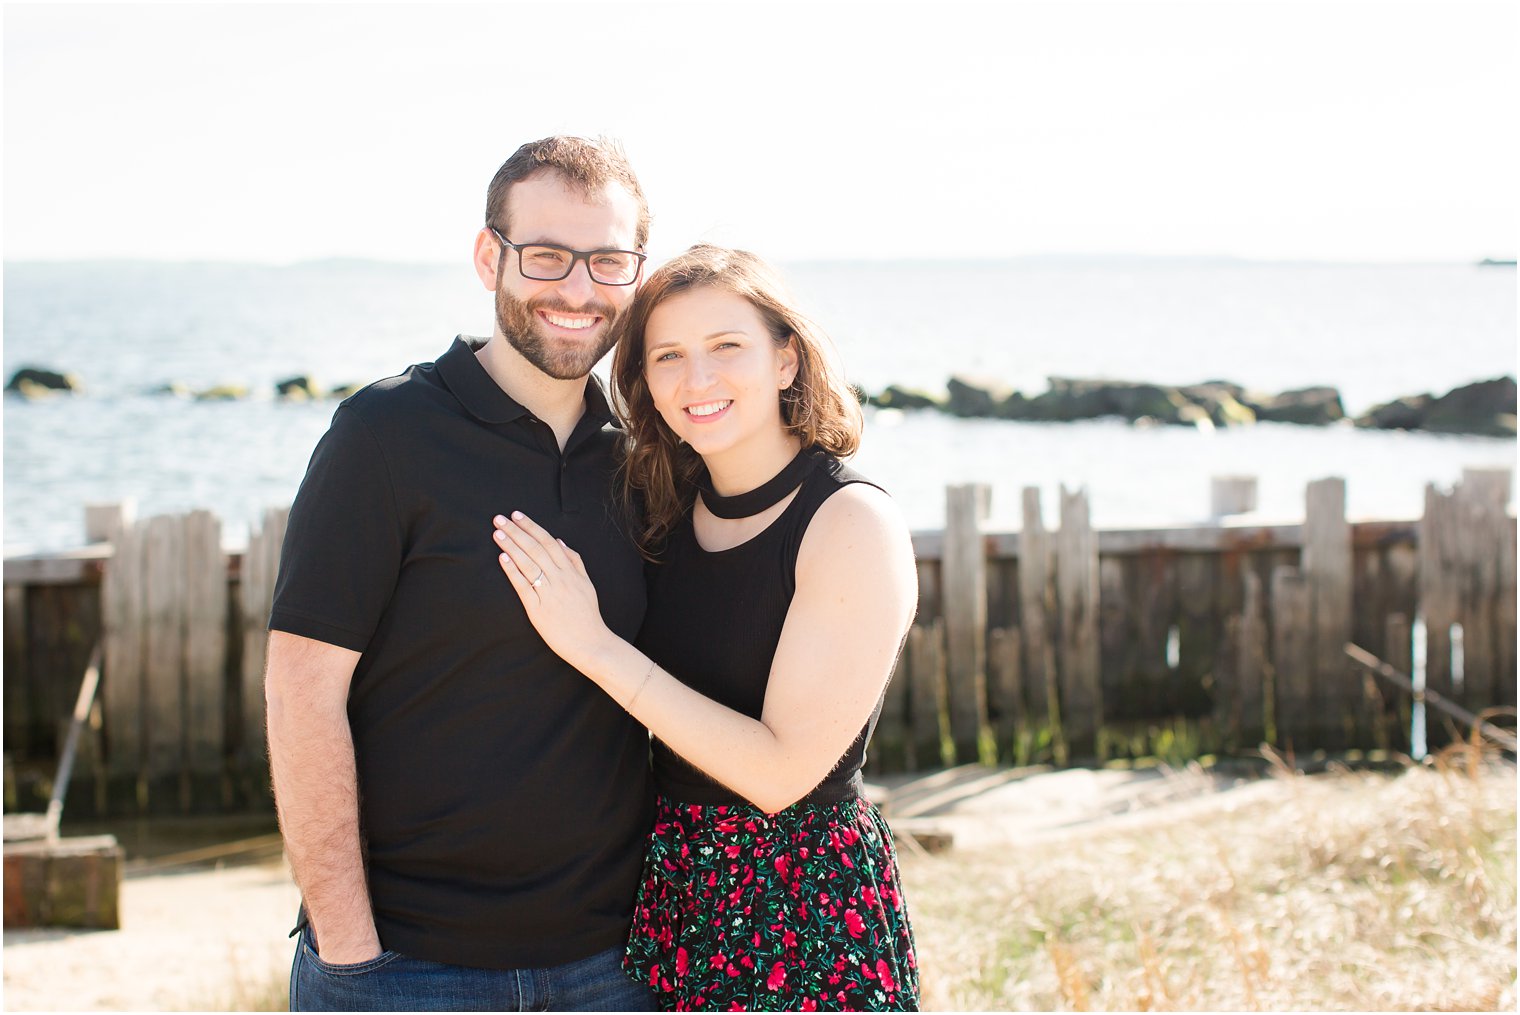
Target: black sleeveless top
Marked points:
714	620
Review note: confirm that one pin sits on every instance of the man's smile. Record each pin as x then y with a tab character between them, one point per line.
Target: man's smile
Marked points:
570	322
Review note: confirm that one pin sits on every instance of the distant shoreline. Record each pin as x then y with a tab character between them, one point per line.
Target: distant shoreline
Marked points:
1026	260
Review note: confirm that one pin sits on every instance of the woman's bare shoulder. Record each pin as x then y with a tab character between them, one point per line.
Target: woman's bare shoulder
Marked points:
858	525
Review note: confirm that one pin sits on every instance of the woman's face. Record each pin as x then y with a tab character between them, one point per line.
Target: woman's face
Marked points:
714	371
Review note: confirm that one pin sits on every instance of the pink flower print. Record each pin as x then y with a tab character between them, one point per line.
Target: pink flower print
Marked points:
808	1004
682	960
789	940
718	961
853	923
884	974
731	851
777	979
781	864
869	895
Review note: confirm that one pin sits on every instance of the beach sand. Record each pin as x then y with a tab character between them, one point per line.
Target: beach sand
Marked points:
216	939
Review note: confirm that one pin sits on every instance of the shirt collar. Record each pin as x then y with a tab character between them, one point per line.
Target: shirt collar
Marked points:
483	398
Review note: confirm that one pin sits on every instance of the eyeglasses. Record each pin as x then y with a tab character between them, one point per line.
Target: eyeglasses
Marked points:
544	262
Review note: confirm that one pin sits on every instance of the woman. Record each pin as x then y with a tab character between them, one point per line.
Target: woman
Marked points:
781	590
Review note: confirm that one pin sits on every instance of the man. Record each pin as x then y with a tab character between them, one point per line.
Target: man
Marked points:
464	813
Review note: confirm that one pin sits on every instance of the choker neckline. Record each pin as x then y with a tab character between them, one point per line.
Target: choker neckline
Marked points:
766	495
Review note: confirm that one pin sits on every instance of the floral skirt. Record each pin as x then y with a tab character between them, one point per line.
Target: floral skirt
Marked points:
796	911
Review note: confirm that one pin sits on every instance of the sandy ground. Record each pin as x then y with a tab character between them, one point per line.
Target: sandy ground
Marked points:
216	939
208	939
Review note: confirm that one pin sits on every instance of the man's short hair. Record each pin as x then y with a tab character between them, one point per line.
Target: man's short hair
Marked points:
589	165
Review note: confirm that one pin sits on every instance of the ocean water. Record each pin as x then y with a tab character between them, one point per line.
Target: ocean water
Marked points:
1375	332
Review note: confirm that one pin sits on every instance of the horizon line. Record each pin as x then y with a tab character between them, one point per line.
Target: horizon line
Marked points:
340	259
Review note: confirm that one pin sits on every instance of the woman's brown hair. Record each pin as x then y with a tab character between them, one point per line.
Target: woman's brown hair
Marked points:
817	407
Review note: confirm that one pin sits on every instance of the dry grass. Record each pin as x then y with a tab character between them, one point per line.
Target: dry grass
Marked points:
1347	891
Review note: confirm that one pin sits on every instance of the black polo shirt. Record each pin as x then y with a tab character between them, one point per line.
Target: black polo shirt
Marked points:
504	798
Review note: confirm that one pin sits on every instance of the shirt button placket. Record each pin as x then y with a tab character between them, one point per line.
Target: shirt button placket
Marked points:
566	494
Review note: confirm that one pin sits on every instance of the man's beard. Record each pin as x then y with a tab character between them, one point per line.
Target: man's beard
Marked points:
562	360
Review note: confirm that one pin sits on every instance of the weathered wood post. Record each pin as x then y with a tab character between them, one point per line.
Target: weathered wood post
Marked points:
1439	590
1504	607
1239	701
1398	652
1199	631
1292	687
103	521
18	733
1335	695
1488	614
122	687
965	604
1077	598
1036	614
205	659
164	589
1467	577
1005	688
1116	633
926	693
888	746
261	565
1231	495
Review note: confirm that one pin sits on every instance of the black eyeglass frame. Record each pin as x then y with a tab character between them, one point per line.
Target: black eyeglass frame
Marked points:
575	256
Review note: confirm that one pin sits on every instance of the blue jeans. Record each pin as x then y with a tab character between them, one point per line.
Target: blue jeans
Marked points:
393	982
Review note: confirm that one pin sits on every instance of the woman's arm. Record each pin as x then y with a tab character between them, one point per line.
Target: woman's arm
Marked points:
856	593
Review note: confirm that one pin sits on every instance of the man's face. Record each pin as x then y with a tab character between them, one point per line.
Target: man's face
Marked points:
563	327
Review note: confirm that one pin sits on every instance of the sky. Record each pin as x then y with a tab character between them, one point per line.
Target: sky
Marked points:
1361	131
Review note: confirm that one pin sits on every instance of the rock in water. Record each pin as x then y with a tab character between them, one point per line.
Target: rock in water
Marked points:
975	396
36	382
1484	407
1406	413
897	397
222	393
298	389
1222	402
1317	406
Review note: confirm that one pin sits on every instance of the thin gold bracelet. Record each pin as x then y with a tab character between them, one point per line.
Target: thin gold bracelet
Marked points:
629	707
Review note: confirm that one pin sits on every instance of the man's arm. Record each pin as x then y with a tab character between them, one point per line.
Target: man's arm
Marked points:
316	791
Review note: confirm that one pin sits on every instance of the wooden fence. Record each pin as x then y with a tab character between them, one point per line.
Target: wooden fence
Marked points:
1076	645
1054	643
